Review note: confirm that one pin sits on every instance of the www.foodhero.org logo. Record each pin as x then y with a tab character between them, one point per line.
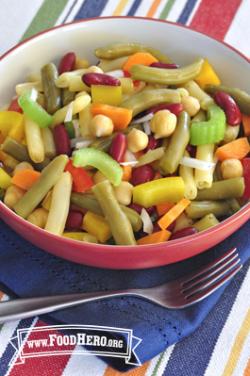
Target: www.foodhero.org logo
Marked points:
63	339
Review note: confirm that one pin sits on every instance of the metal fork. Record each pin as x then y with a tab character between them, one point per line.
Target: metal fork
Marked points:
177	294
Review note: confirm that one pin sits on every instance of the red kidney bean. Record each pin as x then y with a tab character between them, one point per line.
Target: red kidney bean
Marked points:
14	106
228	104
77	208
100	79
67	63
191	150
138	208
164	65
62	140
142	174
152	143
118	147
175	108
183	232
74	220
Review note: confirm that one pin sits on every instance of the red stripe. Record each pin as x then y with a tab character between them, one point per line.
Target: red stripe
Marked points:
43	366
214	17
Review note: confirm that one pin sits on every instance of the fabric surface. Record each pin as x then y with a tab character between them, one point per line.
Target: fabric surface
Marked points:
221	345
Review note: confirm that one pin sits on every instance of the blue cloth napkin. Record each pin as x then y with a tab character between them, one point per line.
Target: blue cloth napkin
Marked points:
27	271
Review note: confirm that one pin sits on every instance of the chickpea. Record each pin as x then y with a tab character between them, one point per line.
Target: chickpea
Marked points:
163	123
101	125
22	166
231	168
12	195
231	133
191	105
137	140
38	217
123	193
99	177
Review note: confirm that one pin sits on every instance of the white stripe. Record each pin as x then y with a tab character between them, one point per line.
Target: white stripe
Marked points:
6	333
143	8
191	16
176	10
126	8
14	20
238	34
74	11
230	330
244	357
163	364
80	365
159	9
64	12
109	8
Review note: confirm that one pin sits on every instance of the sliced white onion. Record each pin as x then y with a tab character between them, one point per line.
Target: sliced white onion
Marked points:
76	128
147	223
129	157
69	113
146	127
77	140
131	163
118	73
147	117
33	94
197	163
83	144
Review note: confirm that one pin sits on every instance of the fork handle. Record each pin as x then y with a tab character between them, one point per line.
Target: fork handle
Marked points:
28	307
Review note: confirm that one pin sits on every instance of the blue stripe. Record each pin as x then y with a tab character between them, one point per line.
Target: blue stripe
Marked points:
91	8
10	351
193	353
134	7
70	10
187	11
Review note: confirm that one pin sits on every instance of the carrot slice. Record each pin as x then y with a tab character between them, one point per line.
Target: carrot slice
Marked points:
144	58
173	213
121	117
127	171
246	124
236	149
164	208
156	237
25	178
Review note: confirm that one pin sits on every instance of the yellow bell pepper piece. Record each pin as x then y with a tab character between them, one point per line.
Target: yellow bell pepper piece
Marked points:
9	120
81	236
106	94
207	75
159	191
5	179
96	225
17	132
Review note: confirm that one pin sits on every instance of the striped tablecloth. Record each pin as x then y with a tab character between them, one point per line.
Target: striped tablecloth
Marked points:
222	344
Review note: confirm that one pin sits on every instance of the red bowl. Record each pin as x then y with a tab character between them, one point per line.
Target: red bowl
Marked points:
151	31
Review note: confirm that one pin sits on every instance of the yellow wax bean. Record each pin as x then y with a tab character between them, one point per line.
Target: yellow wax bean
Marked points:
81	236
5	179
97	226
34	140
8	120
159	191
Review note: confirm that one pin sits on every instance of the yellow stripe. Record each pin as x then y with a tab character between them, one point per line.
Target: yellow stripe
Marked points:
153	8
120	7
237	346
140	371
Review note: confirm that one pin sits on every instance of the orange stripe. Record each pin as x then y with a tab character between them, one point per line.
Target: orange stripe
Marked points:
153	8
237	346
247	369
140	371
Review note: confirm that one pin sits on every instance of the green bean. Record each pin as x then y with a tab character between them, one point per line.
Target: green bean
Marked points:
150	156
51	92
206	222
42	165
166	76
119	224
117	50
178	143
223	189
241	97
88	201
16	150
200	116
146	99
67	96
109	65
48	143
38	191
234	205
195	91
198	209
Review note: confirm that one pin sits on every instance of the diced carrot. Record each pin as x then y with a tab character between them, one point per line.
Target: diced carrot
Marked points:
121	117
25	178
236	149
246	124
144	58
155	237
173	213
164	208
127	171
